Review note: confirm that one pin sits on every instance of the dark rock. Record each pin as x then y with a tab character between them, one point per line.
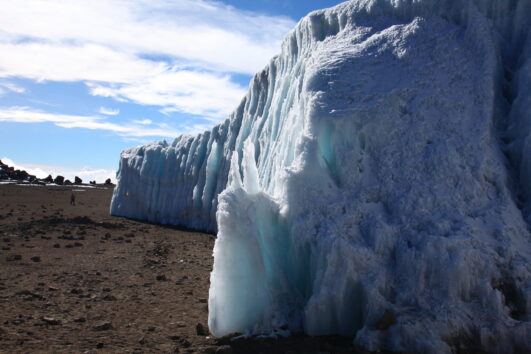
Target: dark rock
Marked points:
161	277
67	182
200	330
209	350
108	181
31	295
59	180
48	179
109	298
182	341
80	320
227	339
103	326
78	180
14	257
100	345
224	349
56	245
36	259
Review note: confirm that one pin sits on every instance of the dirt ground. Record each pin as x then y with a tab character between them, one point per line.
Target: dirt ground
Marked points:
74	279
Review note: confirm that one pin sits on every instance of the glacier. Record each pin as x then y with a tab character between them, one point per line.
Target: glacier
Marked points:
374	182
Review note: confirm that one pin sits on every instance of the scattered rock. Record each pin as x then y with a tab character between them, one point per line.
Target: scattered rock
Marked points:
80	320
109	298
183	342
200	330
77	180
209	350
224	349
59	180
30	295
36	259
56	245
14	257
103	326
227	339
161	277
51	321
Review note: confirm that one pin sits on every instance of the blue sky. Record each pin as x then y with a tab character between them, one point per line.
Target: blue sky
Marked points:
82	80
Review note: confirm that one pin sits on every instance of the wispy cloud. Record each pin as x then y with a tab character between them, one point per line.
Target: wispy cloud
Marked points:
173	54
42	171
9	86
109	111
28	115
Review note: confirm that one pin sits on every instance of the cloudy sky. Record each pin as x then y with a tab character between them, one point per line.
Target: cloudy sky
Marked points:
82	80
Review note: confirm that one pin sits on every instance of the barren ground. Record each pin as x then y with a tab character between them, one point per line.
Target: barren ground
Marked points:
74	279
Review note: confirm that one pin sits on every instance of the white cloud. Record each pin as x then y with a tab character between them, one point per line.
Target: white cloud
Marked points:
109	111
42	171
173	54
27	115
143	121
187	91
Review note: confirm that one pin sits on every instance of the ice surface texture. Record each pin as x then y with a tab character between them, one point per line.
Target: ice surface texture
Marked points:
375	181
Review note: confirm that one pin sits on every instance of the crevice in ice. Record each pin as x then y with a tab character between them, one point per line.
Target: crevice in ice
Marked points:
512	298
327	150
513	126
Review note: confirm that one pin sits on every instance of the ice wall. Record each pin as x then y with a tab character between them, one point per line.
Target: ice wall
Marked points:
375	181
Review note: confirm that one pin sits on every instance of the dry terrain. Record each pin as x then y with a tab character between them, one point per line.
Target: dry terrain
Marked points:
74	279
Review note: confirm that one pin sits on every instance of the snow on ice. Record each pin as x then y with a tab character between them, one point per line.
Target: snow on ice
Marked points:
379	167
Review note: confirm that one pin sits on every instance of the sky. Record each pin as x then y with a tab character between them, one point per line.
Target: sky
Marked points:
80	81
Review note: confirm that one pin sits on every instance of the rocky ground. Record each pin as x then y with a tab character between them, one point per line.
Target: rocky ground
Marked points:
75	280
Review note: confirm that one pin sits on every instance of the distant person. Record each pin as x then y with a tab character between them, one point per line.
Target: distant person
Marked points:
72	199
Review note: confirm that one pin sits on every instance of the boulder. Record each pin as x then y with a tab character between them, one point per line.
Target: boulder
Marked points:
59	180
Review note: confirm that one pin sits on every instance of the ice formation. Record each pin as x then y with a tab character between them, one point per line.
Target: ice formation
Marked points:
374	182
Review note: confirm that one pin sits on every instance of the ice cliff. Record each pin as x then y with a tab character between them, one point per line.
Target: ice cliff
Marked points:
374	182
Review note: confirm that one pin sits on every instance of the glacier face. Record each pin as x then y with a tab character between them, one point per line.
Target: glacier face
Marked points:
379	167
